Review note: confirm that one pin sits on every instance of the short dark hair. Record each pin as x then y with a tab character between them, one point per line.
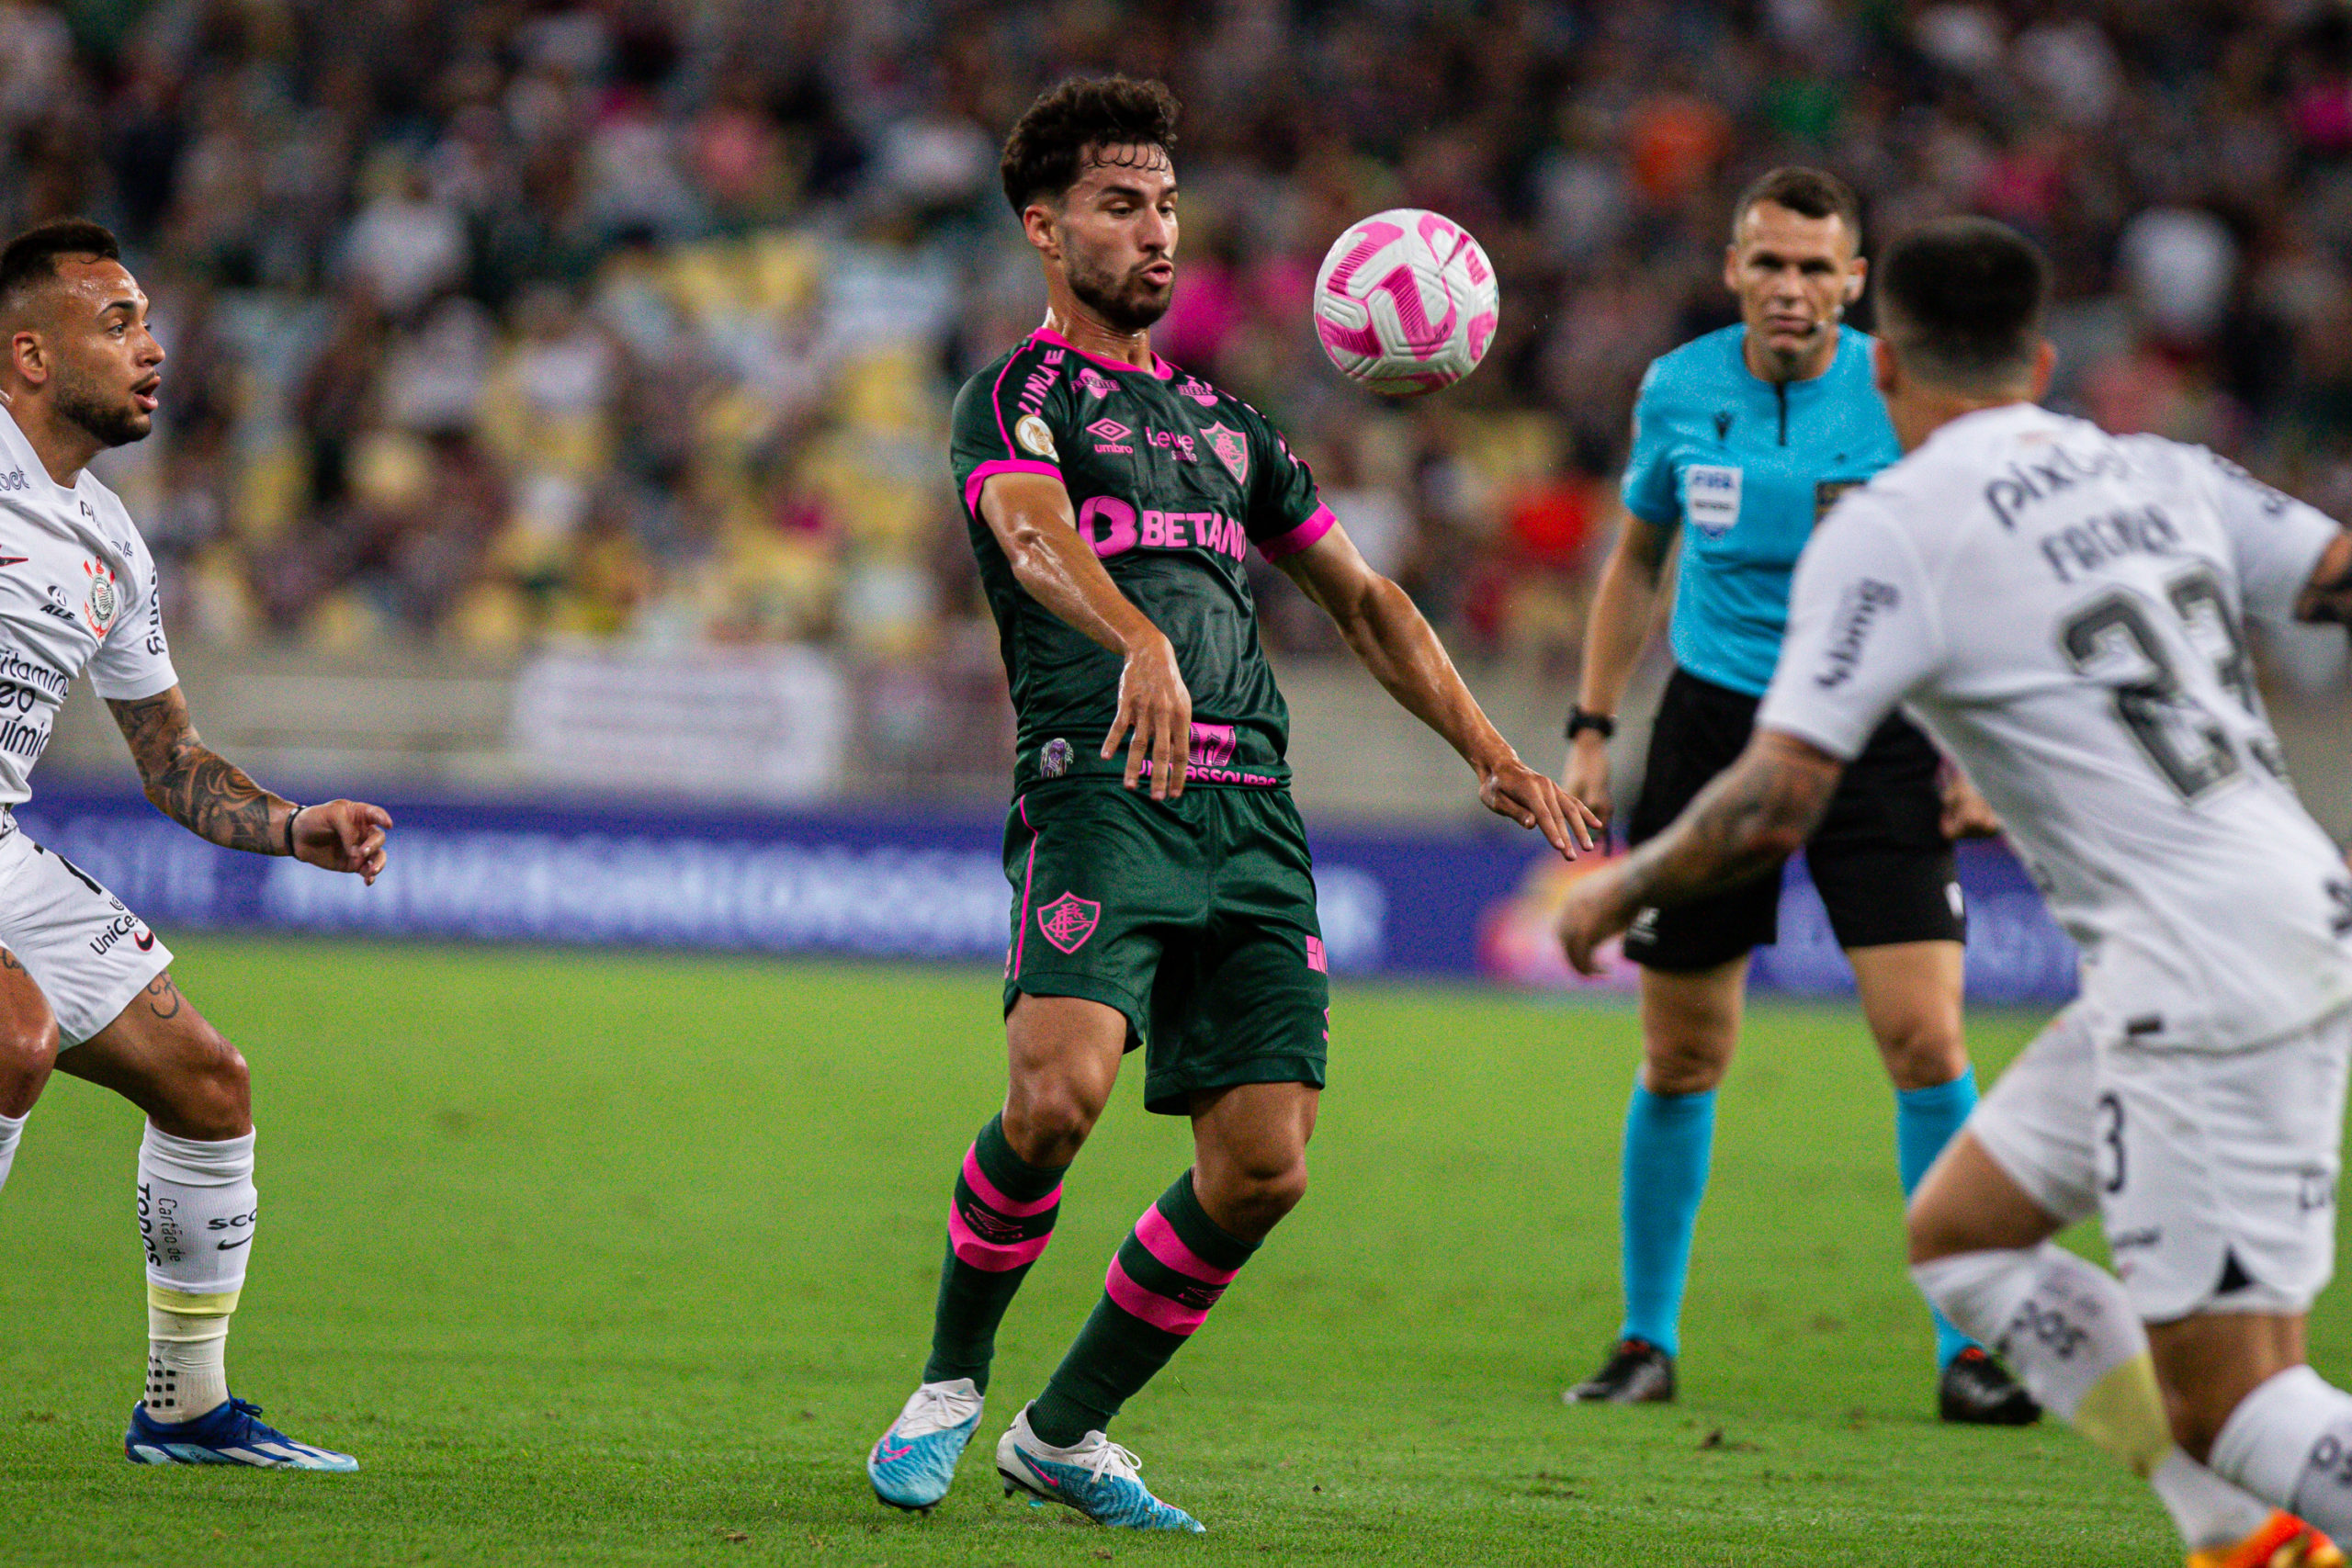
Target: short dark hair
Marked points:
1811	193
1962	299
30	259
1042	157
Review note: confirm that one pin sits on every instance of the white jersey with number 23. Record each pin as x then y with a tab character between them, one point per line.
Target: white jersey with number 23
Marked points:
2063	609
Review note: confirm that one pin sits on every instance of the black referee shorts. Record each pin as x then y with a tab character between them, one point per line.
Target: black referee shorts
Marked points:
1879	859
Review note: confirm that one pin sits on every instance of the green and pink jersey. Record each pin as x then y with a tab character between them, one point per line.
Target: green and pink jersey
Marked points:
1173	482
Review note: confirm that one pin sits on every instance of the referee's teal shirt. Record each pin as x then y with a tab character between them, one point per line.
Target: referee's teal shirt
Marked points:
1746	467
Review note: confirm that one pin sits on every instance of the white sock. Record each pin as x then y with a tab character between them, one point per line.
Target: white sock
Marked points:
197	1211
12	1128
2208	1511
2290	1442
2069	1332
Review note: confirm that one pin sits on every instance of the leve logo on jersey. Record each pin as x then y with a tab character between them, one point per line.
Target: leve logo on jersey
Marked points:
1232	449
1711	498
104	601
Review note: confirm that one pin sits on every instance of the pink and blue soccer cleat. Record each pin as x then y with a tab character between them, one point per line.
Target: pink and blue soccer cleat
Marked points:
1094	1475
914	1463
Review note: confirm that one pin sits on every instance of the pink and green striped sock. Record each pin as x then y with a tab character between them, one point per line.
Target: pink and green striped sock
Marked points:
1162	1281
1000	1220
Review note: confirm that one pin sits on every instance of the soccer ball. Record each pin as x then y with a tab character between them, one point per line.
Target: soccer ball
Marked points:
1406	302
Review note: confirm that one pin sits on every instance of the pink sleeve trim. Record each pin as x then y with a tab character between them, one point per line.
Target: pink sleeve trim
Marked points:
1300	538
987	472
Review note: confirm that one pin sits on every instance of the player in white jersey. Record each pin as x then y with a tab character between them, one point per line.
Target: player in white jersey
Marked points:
84	987
2062	609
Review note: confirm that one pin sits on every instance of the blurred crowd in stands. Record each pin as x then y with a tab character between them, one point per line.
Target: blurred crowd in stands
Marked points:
493	322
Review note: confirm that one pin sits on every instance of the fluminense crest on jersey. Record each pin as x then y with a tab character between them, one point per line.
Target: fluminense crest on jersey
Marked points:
1232	449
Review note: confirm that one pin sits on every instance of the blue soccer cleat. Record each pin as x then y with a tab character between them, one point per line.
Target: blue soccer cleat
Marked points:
1094	1475
234	1433
913	1463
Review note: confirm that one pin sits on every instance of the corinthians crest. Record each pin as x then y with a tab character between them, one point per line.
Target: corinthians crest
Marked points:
1232	449
104	601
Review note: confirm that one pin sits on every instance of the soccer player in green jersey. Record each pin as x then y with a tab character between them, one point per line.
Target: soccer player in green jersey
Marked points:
1161	889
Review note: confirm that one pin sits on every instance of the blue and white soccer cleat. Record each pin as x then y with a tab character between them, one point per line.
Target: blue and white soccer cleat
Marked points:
234	1433
913	1463
1094	1475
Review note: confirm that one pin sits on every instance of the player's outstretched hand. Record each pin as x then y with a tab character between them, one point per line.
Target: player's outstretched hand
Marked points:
1510	788
1155	704
1966	814
343	835
1595	911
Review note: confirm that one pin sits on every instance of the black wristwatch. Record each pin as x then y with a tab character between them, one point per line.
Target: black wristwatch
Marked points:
1600	723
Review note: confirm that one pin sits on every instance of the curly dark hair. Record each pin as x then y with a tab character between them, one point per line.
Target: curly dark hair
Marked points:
1048	146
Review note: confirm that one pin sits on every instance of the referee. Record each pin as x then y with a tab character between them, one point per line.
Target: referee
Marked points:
1743	439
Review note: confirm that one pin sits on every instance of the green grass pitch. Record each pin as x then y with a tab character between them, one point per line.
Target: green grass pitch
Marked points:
600	1259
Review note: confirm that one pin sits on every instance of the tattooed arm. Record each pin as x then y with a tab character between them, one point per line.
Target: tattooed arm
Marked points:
211	797
1754	816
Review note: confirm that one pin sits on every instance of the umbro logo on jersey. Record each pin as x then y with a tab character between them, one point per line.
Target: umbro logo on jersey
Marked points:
1109	436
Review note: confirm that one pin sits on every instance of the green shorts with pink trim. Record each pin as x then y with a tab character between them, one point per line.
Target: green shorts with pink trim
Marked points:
1194	917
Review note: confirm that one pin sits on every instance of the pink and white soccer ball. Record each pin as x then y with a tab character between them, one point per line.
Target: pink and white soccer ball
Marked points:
1406	302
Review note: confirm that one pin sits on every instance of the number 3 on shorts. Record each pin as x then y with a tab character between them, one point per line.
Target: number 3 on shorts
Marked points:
2111	1107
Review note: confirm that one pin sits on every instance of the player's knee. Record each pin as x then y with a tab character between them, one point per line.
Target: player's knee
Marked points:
1923	1051
27	1052
210	1096
29	1046
1683	1065
1251	1196
1048	1123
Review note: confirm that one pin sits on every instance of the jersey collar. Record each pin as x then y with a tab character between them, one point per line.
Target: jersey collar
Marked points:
1161	368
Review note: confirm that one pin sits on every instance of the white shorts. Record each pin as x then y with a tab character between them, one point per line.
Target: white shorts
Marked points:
88	954
2213	1172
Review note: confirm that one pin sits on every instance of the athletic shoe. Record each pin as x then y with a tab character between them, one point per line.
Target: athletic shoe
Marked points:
1094	1475
914	1462
2283	1541
1977	1391
232	1432
1637	1373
